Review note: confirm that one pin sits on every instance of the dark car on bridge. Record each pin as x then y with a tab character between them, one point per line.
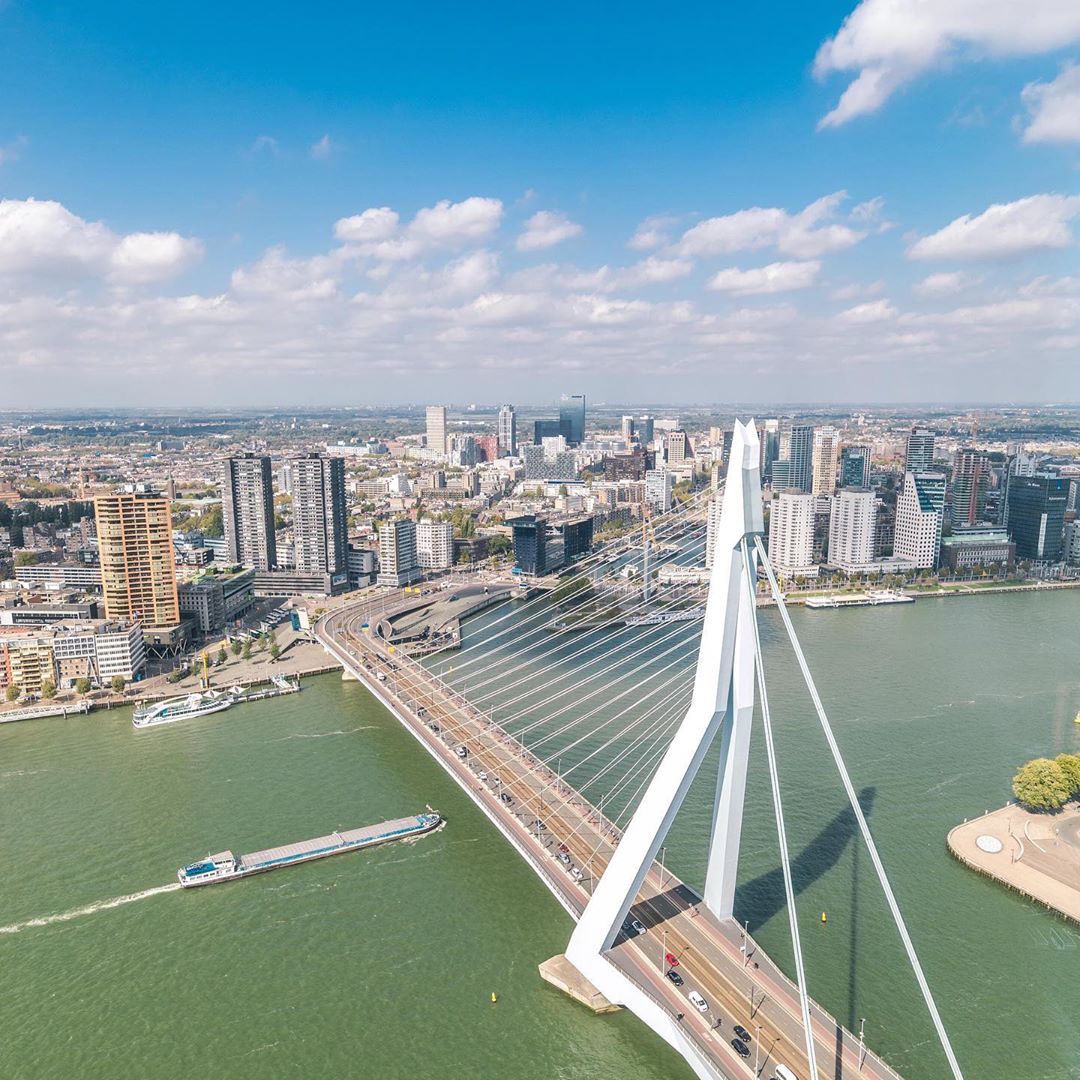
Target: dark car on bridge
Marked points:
742	1033
675	977
740	1048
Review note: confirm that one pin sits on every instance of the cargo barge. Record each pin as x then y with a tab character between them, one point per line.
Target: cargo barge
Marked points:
228	867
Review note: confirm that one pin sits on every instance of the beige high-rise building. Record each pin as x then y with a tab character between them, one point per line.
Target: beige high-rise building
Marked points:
436	428
135	546
826	449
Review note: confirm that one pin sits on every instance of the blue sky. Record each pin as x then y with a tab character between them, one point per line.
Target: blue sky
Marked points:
198	177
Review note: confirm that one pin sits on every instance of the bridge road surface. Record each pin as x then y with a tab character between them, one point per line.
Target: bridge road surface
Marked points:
741	986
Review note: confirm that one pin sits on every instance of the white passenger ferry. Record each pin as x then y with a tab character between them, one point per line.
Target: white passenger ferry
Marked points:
182	708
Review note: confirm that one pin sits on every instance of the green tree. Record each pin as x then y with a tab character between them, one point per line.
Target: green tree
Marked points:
1070	767
247	649
275	650
82	686
1041	784
118	682
48	689
26	558
12	692
222	656
236	646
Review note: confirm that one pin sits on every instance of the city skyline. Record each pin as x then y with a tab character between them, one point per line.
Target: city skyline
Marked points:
270	228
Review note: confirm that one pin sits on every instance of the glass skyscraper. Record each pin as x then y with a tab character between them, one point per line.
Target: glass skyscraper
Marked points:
572	418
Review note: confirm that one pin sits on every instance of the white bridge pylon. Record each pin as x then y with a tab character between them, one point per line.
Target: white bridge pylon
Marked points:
722	701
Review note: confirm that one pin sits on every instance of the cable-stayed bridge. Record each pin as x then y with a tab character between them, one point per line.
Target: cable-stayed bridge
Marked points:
577	718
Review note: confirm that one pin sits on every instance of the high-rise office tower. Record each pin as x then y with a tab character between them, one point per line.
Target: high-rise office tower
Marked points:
320	518
508	430
920	450
826	447
572	418
646	430
770	448
398	562
852	519
627	427
247	505
970	483
1036	515
920	510
436	428
676	447
791	531
801	457
135	547
855	466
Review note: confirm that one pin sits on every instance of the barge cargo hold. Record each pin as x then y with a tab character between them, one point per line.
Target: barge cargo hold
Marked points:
227	867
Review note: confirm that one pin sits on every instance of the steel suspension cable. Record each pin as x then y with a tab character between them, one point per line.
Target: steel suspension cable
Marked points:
856	807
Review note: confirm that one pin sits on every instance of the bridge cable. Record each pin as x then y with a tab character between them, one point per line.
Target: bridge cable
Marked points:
856	807
778	808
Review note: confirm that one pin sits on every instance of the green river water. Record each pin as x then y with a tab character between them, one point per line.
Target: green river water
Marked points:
381	964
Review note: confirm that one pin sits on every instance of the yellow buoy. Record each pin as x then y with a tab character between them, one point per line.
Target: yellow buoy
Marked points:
494	998
824	918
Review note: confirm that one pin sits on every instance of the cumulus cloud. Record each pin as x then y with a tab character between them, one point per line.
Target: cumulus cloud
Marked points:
545	229
809	234
1054	108
1004	230
871	312
651	271
946	283
42	238
651	233
892	42
378	233
777	277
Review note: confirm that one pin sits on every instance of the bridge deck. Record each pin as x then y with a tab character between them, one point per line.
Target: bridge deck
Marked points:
744	988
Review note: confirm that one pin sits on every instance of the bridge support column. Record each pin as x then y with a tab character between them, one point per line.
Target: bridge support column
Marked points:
723	697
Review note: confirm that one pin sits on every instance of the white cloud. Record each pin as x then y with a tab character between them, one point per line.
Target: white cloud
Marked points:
946	283
447	223
378	233
375	224
652	271
277	275
267	143
809	234
1004	230
871	312
891	42
545	229
141	258
322	148
651	233
44	238
777	277
1054	108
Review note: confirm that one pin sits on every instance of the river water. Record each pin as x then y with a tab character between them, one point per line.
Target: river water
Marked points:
381	964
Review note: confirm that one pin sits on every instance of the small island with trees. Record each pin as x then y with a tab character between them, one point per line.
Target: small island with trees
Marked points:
1031	845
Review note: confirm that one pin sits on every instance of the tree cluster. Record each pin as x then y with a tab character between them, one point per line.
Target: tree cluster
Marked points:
1048	783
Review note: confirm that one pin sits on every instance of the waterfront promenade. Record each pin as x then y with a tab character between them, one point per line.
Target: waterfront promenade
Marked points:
1038	856
740	983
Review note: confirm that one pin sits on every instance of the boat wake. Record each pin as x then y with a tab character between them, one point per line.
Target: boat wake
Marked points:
326	734
88	909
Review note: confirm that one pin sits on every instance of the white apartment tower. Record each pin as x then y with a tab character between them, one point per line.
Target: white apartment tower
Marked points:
712	524
436	428
791	532
659	484
247	503
826	448
851	527
919	513
397	553
507	430
435	544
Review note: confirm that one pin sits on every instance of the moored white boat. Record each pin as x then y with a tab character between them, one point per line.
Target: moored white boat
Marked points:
182	708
